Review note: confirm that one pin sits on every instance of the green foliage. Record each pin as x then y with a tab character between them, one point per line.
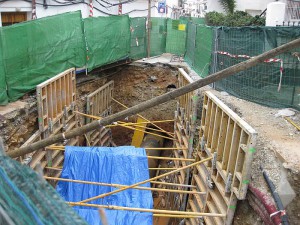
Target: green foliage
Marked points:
214	18
236	19
228	5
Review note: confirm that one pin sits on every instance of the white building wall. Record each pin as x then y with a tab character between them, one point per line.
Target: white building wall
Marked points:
138	8
254	7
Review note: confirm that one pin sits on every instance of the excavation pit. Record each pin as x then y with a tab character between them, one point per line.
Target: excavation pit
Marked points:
133	84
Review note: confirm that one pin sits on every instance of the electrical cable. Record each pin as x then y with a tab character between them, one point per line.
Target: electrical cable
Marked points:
68	4
138	10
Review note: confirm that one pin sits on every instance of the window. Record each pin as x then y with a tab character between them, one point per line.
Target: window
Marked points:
9	18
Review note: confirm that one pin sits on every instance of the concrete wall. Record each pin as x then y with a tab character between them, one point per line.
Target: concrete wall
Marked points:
136	9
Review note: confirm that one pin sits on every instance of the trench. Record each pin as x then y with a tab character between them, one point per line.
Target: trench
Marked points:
133	84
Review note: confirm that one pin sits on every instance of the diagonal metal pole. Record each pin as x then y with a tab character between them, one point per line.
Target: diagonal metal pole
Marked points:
157	100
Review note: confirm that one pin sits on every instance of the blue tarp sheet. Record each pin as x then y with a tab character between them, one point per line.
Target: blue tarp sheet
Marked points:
116	165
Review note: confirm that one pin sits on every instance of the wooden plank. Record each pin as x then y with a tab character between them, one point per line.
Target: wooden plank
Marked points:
53	95
233	149
138	135
229	133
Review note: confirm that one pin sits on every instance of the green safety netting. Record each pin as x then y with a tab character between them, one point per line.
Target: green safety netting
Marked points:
158	36
260	83
26	198
3	93
108	39
190	44
200	21
203	50
138	44
176	36
37	50
199	48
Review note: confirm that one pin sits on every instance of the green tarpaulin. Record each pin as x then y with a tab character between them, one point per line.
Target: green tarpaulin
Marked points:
108	39
3	93
203	50
176	36
158	36
138	45
37	50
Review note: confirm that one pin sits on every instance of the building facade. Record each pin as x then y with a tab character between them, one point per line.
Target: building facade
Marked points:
17	11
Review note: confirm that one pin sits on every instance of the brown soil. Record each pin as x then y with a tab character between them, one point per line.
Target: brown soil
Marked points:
134	84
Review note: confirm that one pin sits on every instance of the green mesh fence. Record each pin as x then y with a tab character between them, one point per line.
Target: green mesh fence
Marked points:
138	45
27	199
203	50
158	36
3	93
190	44
199	48
108	39
176	36
200	21
37	50
260	83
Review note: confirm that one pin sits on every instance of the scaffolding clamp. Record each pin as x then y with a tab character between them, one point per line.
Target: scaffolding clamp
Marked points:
214	161
228	183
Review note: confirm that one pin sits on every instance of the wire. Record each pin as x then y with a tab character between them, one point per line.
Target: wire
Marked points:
68	4
138	10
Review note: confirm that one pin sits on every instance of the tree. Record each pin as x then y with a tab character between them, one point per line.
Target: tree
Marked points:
228	5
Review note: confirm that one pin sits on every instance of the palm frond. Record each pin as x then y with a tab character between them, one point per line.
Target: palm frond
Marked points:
228	5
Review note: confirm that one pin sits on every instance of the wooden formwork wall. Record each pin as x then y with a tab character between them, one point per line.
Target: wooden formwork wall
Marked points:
184	127
56	101
230	141
99	104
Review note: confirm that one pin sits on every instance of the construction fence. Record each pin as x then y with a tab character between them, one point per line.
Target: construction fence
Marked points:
275	82
37	50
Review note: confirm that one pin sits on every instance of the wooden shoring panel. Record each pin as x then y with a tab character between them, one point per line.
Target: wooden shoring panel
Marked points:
184	130
185	101
56	101
227	138
55	97
99	104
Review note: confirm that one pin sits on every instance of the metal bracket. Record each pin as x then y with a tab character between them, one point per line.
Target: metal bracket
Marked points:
177	107
187	125
228	183
202	144
27	160
182	113
50	126
65	125
73	106
65	112
209	182
214	161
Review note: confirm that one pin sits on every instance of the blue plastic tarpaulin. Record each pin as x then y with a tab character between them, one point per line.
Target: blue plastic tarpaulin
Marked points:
115	165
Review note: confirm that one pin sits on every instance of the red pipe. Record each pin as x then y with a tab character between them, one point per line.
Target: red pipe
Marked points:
264	206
